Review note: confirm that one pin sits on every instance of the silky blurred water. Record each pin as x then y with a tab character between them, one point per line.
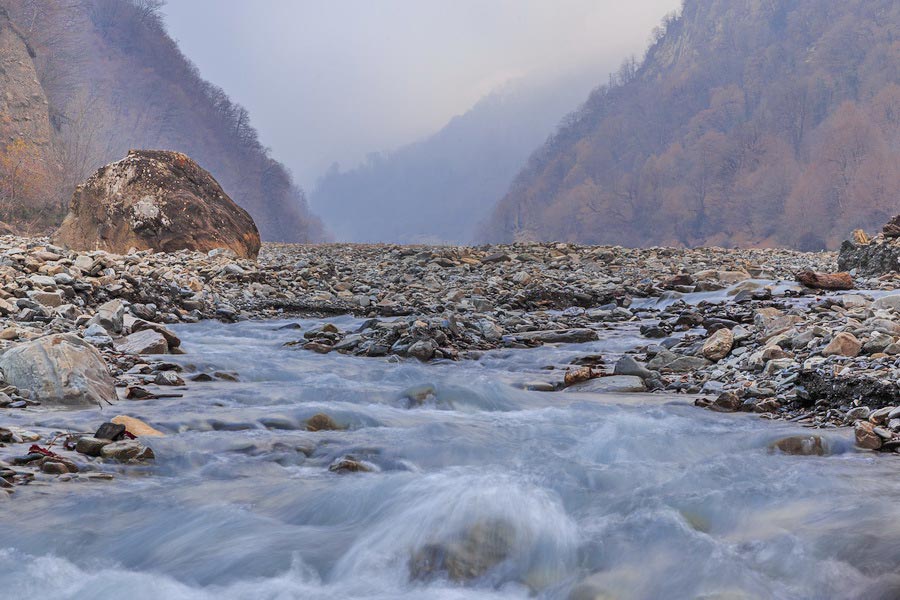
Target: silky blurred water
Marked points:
642	496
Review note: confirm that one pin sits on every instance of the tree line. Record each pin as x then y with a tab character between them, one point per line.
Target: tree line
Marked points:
748	122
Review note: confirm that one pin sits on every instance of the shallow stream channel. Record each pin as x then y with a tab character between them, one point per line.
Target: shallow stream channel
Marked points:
448	481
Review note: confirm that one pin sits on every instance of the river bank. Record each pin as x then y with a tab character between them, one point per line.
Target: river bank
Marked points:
542	444
417	303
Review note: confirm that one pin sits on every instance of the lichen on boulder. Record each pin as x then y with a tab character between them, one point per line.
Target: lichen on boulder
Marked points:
156	200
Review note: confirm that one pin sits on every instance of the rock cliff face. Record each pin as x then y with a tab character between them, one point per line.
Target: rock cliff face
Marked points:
83	81
156	200
25	130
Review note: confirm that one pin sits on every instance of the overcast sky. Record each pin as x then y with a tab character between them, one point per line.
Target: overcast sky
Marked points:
332	80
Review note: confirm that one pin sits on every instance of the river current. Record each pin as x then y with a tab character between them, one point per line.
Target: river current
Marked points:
595	496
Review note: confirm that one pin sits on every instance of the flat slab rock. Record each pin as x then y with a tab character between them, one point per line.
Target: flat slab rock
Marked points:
617	384
558	336
146	341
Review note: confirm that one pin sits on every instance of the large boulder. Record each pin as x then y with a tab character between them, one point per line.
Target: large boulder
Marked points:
59	370
156	200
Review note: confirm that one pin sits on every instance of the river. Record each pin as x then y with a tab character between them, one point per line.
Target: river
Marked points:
642	496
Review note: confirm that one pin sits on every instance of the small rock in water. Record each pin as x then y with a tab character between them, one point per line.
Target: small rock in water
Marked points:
574	376
91	446
127	450
110	431
627	365
321	422
801	445
727	402
616	384
54	467
481	548
168	378
136	427
349	464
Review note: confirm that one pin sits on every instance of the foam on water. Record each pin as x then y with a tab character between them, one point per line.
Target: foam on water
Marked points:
635	496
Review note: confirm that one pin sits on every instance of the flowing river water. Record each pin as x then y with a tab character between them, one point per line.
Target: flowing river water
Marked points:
579	496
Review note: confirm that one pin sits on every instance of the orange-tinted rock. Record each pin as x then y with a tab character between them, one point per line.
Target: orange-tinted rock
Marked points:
156	200
826	281
843	344
866	436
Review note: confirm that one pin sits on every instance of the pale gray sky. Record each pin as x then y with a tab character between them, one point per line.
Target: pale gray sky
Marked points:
332	80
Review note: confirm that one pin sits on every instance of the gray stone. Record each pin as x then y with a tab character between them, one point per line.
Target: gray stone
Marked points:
172	340
90	445
43	281
168	378
147	341
51	299
127	450
610	385
59	370
558	336
423	350
891	302
860	412
96	335
627	365
686	364
110	316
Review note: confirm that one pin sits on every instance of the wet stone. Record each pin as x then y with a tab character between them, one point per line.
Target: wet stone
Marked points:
127	450
91	446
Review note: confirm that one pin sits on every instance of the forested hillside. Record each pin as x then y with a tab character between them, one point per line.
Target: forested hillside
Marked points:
113	79
749	122
441	188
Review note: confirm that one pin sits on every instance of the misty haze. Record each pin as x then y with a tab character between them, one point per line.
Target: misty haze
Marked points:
449	299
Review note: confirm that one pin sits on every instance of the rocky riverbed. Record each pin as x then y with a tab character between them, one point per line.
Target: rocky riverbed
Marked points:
718	320
389	421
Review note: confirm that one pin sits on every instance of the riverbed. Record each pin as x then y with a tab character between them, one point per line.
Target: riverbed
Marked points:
591	496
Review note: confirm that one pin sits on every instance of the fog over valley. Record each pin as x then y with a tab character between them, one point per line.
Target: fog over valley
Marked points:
329	84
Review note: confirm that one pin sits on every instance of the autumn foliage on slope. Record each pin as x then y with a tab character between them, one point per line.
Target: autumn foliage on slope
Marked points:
749	122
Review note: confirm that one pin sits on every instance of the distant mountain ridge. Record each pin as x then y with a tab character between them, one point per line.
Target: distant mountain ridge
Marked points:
439	189
113	80
750	122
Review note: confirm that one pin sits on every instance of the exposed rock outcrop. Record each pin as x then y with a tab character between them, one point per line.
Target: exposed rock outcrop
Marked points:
872	256
25	128
156	200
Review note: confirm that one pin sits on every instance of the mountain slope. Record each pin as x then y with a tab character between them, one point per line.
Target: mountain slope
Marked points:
441	188
115	80
750	122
